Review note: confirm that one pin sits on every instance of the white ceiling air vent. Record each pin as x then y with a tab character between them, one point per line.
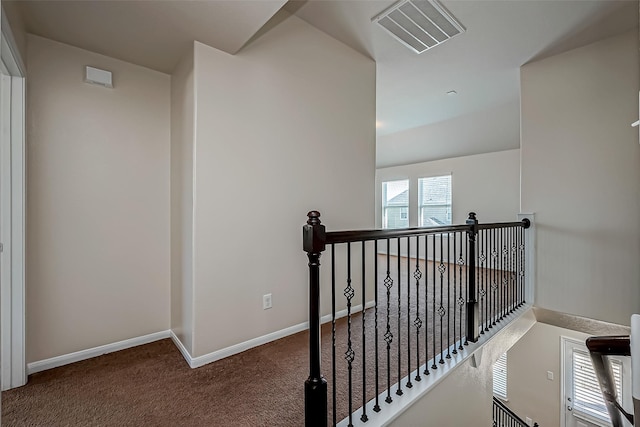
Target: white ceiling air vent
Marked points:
419	24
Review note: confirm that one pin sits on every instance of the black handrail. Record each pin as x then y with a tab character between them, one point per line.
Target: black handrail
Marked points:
496	301
505	417
599	347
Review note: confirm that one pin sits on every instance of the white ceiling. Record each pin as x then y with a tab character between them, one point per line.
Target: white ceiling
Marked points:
418	121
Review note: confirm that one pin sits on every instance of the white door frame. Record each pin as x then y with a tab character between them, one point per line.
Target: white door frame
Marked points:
12	216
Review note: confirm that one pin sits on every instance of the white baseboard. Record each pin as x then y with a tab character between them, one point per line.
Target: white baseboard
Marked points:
196	362
65	359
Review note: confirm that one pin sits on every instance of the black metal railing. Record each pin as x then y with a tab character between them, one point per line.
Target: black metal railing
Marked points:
431	291
505	417
599	349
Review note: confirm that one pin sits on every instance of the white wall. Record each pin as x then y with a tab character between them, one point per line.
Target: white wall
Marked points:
284	127
487	184
530	393
580	176
182	140
97	202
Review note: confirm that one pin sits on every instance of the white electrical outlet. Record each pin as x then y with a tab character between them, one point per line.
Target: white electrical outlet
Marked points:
550	375
266	301
529	421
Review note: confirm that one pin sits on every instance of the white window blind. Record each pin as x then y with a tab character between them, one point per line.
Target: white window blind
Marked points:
587	397
500	377
434	200
395	204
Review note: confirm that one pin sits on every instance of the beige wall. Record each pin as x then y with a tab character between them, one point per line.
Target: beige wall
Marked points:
488	184
580	176
97	202
14	16
182	139
530	393
280	130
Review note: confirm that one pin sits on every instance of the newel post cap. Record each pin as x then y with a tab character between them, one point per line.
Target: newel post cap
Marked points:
313	234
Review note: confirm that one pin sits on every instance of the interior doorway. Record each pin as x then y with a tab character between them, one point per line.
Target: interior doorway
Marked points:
12	212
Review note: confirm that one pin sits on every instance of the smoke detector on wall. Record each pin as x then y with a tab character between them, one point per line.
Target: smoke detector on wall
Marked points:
419	24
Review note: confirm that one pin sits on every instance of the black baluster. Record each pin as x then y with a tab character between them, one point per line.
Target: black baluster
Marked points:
399	347
364	417
388	336
417	322
494	287
481	284
448	295
376	407
315	387
333	330
349	355
455	291
409	384
461	299
434	366
441	310
426	305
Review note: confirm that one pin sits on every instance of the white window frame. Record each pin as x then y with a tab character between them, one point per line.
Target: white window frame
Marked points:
500	373
385	206
422	205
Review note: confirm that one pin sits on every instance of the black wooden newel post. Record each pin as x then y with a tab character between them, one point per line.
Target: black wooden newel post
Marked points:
472	304
315	388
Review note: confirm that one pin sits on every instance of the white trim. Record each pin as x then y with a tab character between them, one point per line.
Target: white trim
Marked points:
16	65
196	362
12	315
183	350
65	359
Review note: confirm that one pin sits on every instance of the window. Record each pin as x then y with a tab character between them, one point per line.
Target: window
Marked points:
587	397
583	402
395	204
434	201
500	377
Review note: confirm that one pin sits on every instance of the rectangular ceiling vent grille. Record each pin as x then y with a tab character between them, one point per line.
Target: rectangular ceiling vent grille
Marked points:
419	24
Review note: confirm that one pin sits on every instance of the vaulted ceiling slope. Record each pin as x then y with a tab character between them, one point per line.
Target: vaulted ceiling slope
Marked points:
154	34
417	120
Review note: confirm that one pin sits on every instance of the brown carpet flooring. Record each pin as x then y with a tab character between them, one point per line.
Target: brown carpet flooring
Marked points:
151	385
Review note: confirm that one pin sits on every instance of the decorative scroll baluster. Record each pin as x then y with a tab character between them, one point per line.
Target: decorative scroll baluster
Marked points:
461	300
399	391
503	267
449	296
441	310
417	322
434	366
388	336
364	418
494	276
409	384
349	355
455	291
